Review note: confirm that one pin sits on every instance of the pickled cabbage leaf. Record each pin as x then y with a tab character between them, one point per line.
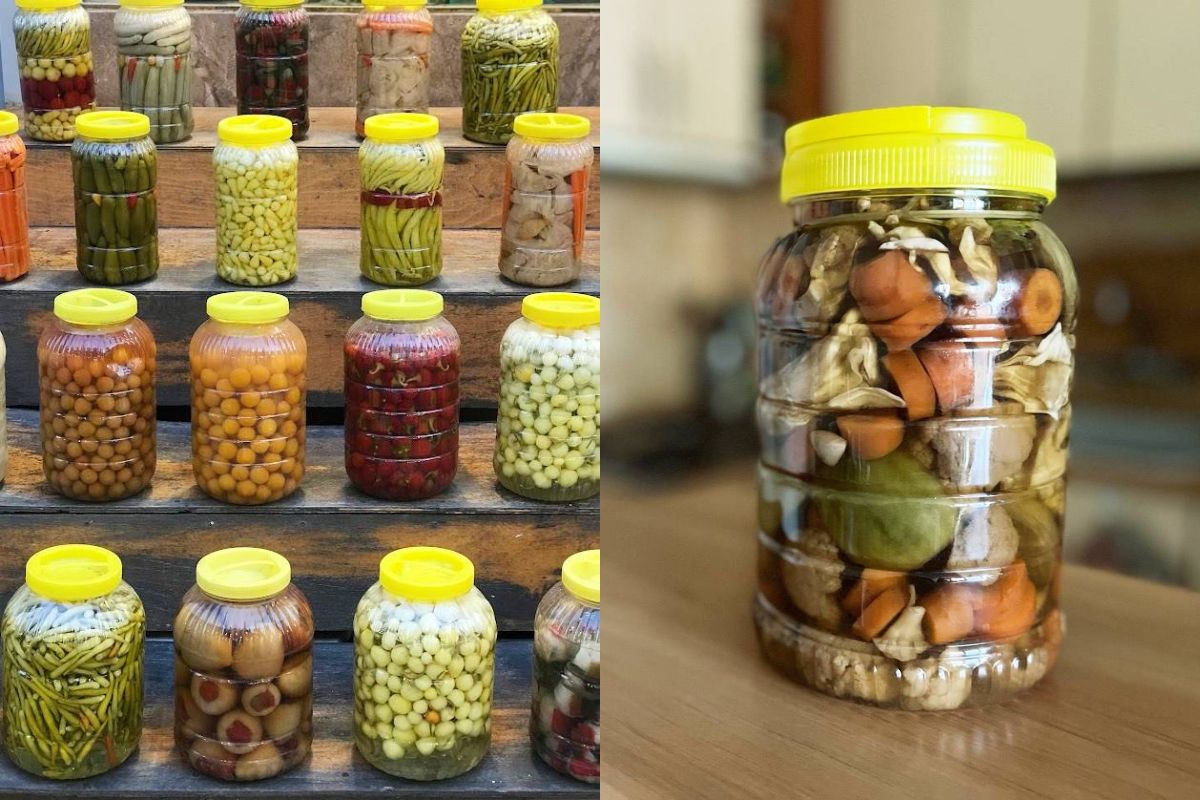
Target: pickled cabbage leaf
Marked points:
913	241
829	274
980	261
1038	376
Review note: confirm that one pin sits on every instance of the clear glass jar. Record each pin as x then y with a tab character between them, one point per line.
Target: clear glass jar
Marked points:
54	49
257	167
402	396
509	67
915	351
424	666
394	42
115	169
243	667
96	366
154	60
248	366
548	424
14	215
564	725
549	165
74	651
401	165
272	61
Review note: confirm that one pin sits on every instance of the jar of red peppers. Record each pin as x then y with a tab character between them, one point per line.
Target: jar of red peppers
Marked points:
402	396
394	40
14	217
272	61
54	51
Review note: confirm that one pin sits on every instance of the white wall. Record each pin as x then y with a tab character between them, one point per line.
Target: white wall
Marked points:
8	54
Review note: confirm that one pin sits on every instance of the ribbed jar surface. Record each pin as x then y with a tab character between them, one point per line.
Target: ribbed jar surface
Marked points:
401	203
54	51
271	48
256	213
154	59
393	61
14	214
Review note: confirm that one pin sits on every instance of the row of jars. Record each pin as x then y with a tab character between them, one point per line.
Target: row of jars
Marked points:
424	672
510	62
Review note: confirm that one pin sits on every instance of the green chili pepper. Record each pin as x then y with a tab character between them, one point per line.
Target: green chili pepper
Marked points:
401	211
115	210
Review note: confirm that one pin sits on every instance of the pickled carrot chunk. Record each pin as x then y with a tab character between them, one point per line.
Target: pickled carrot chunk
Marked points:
908	329
871	584
880	613
949	613
1008	607
1039	302
871	436
913	382
888	286
951	368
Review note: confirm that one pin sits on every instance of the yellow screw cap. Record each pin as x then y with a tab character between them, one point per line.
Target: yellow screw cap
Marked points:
581	575
401	127
95	306
112	126
507	5
254	130
243	574
539	125
561	309
46	5
271	3
9	124
150	3
916	147
69	573
373	5
426	573
402	305
250	308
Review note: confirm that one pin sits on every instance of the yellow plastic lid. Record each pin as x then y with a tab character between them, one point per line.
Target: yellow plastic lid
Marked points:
9	123
539	125
243	574
426	573
402	305
916	147
149	3
251	308
46	5
561	309
373	4
507	5
69	573
270	3
96	306
254	130
401	127
581	575
111	126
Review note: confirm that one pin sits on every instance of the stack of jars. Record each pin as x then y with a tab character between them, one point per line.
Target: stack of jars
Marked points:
54	49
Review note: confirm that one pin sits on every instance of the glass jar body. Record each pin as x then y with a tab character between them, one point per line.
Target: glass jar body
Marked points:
393	61
14	214
271	48
154	59
256	213
401	211
54	50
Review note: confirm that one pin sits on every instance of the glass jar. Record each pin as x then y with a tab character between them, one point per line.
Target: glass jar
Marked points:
74	649
243	667
544	220
54	49
14	215
424	666
565	721
401	165
915	352
272	61
115	169
402	396
97	363
548	425
394	42
154	60
248	365
509	67
256	166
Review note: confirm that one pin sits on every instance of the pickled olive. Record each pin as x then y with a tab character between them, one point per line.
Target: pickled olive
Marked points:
14	215
394	42
54	51
154	64
271	47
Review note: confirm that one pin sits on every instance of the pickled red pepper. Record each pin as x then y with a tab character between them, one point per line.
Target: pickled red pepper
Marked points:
14	216
394	40
272	61
154	43
54	50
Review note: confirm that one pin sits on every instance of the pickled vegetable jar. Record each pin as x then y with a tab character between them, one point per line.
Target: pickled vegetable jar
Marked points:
97	363
74	648
54	50
14	216
154	58
394	41
565	722
243	667
401	164
509	67
272	61
548	426
402	396
545	199
256	166
248	364
115	167
424	666
915	349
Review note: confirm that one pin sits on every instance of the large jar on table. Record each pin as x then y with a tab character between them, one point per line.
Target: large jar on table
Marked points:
394	42
14	216
154	61
424	666
54	51
243	667
271	49
915	348
548	424
248	368
74	647
96	367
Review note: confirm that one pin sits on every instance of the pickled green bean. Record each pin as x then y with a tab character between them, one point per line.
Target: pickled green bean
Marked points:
401	211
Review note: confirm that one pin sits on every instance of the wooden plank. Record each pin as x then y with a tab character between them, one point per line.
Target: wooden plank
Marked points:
333	535
334	771
473	182
325	297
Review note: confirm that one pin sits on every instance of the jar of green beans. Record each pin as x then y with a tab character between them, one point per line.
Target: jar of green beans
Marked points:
154	60
74	645
509	67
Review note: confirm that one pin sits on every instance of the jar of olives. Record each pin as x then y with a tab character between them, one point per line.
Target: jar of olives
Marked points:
97	363
243	667
424	666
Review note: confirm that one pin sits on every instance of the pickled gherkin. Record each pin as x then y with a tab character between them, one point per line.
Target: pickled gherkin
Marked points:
154	43
54	52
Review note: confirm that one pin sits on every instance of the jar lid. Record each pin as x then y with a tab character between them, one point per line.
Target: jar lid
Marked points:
110	126
95	306
254	130
46	5
371	4
426	573
916	147
251	308
69	573
149	3
537	125
243	574
402	305
507	5
581	575
561	309
9	123
271	3
401	127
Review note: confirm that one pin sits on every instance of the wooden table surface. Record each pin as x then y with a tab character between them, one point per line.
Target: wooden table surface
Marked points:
694	712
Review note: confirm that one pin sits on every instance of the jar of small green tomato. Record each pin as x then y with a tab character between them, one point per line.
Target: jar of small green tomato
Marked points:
54	51
74	646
